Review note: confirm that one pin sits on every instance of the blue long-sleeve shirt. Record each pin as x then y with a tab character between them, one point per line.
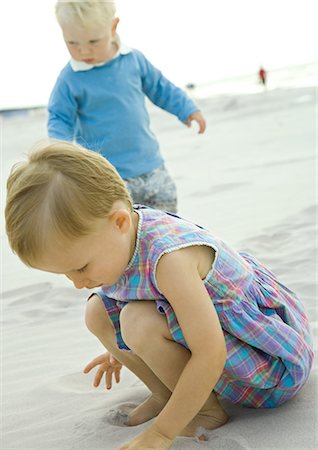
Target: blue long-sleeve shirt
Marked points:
104	110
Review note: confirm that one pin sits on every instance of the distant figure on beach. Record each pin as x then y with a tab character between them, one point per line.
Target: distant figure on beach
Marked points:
190	316
99	101
190	86
262	75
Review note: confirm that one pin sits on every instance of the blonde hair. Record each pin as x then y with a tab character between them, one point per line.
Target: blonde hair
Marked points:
58	194
85	13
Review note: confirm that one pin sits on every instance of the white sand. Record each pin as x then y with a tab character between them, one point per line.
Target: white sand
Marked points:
251	179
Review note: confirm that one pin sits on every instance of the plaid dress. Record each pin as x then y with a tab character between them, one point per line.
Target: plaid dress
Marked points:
269	346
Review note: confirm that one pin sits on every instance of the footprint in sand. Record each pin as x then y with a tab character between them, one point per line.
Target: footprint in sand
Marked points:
75	383
119	416
228	442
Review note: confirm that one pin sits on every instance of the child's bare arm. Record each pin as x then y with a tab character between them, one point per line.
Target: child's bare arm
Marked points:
179	280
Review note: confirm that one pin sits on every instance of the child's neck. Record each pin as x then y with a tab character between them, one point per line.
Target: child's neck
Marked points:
134	232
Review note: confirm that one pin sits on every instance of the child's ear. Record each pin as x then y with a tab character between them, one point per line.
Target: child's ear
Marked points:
114	26
122	220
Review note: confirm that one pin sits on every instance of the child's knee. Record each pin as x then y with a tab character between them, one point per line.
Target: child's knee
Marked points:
96	318
139	324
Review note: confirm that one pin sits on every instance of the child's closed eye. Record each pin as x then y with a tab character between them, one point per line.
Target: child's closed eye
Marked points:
82	269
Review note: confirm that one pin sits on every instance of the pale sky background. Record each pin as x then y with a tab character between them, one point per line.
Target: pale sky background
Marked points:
189	40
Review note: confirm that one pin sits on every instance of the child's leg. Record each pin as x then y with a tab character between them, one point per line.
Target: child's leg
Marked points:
100	325
156	189
141	319
141	323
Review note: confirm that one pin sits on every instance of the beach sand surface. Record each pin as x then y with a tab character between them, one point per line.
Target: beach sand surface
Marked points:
251	179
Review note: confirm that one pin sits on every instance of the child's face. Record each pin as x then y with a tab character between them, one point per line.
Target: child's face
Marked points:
98	259
90	45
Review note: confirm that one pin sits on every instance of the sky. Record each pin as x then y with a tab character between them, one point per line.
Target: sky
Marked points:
188	40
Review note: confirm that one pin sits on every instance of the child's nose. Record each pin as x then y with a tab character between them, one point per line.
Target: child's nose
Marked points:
85	50
77	280
79	284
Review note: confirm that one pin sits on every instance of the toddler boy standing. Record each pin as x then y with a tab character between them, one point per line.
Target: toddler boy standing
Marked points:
99	101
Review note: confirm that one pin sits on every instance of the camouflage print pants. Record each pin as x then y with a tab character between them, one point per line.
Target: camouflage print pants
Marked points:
155	189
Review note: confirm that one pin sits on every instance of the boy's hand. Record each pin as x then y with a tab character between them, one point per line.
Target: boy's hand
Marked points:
108	365
197	116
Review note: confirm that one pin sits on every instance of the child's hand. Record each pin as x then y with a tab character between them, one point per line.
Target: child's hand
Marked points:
108	365
197	116
149	439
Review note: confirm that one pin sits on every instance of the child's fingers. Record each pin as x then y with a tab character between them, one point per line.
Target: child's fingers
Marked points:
95	362
98	377
201	123
117	375
112	359
88	368
202	126
109	376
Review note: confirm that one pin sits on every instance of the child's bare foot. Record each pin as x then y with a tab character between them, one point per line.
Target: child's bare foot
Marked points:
208	420
147	410
211	416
